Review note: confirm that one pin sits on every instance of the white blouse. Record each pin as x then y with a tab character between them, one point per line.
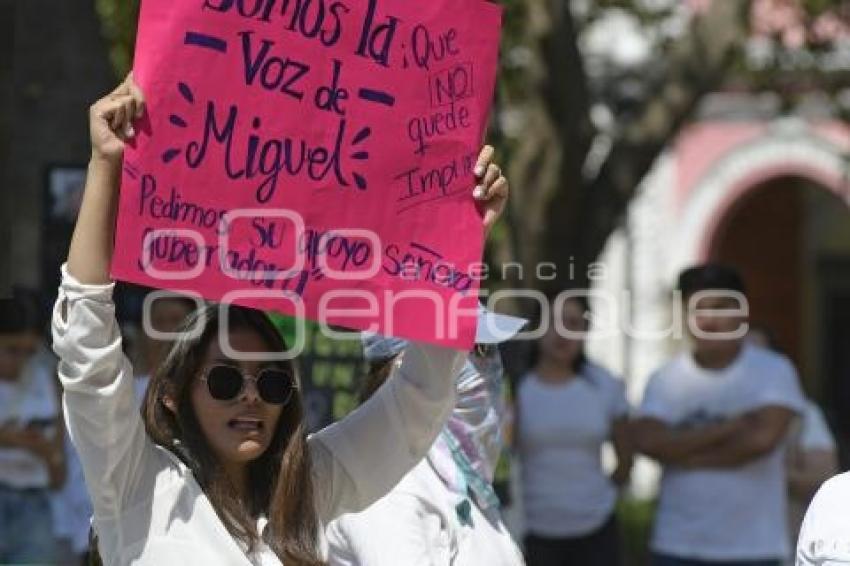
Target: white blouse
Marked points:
418	524
824	538
148	508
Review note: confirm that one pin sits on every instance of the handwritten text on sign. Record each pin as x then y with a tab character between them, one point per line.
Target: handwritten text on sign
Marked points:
313	157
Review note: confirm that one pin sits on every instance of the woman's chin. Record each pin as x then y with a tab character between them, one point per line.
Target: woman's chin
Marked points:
249	450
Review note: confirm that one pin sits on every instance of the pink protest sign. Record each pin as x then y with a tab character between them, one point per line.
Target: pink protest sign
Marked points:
313	157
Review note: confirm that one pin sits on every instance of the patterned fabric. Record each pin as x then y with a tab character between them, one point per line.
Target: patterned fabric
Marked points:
467	451
452	465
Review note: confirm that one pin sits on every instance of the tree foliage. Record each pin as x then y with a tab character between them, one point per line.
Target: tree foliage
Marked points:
592	92
118	21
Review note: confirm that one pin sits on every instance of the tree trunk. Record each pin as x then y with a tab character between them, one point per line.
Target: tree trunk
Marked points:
557	214
697	65
552	102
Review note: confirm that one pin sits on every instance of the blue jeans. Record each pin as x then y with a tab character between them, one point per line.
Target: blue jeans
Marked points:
26	526
664	560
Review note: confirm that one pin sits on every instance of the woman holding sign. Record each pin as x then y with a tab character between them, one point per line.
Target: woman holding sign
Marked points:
219	469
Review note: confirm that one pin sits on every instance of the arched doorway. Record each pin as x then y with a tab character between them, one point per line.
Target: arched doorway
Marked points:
790	238
763	236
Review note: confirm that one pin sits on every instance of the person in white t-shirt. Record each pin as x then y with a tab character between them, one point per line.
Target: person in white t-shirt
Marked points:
825	536
567	409
812	460
31	457
812	453
717	418
445	511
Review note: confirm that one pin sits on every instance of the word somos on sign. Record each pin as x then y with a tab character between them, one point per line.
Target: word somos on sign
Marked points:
311	18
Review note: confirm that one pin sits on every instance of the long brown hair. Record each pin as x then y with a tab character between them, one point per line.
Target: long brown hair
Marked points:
281	486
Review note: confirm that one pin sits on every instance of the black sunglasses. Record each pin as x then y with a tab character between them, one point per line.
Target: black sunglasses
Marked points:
274	385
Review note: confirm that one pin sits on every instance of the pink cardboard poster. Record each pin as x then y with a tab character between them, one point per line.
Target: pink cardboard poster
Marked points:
313	157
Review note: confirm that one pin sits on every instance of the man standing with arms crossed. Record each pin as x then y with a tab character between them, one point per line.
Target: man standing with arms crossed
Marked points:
716	417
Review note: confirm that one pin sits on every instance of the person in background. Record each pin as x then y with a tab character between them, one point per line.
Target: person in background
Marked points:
71	505
812	453
72	512
72	508
31	456
824	537
444	512
567	409
717	418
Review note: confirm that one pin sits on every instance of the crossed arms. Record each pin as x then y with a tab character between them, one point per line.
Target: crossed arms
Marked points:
727	444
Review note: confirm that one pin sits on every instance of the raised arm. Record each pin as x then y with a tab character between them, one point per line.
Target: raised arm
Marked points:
110	124
362	457
100	408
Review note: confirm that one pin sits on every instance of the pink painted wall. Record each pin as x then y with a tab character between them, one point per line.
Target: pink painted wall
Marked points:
703	145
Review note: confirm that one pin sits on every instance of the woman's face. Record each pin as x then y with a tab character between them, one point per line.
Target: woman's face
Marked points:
564	347
239	430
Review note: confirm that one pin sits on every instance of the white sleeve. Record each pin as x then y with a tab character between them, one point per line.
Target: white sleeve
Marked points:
815	434
656	403
780	386
824	538
362	457
100	410
612	388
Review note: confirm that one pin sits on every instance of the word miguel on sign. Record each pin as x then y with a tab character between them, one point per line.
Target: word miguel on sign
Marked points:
292	147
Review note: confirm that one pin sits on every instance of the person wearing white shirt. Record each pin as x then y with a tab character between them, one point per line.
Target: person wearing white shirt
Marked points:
444	512
824	537
31	458
717	419
568	408
812	460
71	506
220	470
812	456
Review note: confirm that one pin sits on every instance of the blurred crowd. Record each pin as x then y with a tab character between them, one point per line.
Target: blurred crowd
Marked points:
742	450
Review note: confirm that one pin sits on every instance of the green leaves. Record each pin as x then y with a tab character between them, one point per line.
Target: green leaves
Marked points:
119	19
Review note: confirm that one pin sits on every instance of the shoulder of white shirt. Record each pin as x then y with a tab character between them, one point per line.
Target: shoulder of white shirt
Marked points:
833	497
753	355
